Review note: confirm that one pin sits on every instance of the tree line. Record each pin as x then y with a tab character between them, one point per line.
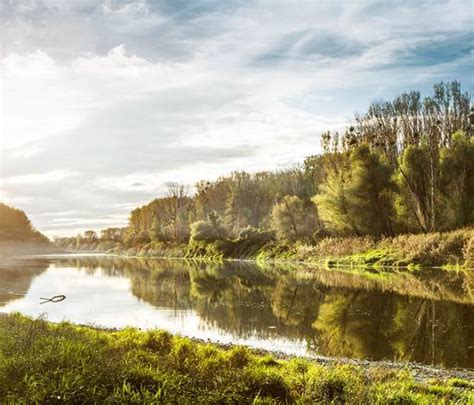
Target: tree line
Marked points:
405	165
15	227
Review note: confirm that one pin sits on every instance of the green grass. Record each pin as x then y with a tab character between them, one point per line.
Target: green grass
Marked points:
44	363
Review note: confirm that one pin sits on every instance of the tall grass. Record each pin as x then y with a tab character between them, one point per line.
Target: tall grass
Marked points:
61	363
454	249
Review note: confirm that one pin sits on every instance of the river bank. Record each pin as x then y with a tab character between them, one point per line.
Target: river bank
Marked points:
47	362
448	250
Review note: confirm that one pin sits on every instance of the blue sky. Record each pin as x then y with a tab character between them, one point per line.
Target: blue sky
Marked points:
104	102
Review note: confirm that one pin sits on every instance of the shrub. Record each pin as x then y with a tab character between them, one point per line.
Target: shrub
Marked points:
256	235
208	230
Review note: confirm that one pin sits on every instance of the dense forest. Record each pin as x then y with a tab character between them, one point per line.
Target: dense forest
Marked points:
15	227
403	166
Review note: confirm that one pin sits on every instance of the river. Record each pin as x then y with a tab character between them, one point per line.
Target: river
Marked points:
425	316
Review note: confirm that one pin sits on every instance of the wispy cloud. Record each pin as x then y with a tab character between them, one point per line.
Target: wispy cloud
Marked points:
54	176
105	101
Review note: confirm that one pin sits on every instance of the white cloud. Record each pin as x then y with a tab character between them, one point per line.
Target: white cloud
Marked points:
105	101
54	176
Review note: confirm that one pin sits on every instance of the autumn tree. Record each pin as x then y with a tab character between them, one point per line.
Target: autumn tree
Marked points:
177	207
90	236
111	234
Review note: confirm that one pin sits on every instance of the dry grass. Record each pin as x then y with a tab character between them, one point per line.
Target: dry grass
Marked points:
452	249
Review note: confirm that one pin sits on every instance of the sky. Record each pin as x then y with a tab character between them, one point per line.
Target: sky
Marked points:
104	102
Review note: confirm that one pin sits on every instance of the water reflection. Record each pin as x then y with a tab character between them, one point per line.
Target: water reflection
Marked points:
16	277
332	313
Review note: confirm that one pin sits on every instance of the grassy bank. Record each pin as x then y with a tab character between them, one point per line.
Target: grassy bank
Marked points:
48	363
453	250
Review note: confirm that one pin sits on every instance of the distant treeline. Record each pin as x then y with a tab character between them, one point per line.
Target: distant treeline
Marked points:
15	227
406	165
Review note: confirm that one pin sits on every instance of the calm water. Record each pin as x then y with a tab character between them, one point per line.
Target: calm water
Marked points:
294	310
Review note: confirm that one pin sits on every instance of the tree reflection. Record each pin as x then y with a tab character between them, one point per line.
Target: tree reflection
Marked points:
16	278
336	313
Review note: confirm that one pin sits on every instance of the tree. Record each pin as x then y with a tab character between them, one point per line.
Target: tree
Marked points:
332	199
177	207
414	203
239	202
90	236
457	181
370	192
155	230
357	195
292	219
15	226
111	234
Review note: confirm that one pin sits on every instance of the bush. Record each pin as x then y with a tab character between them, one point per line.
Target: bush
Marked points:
256	235
208	230
203	231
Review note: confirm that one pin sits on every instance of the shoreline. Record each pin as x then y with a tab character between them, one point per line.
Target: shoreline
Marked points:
321	264
450	251
422	372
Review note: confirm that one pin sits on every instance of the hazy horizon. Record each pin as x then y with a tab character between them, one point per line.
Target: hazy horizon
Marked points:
104	102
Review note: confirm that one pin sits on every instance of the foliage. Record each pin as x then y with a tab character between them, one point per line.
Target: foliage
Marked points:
415	208
457	182
292	219
332	200
403	166
358	197
246	246
413	135
46	363
256	235
370	192
208	230
16	227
